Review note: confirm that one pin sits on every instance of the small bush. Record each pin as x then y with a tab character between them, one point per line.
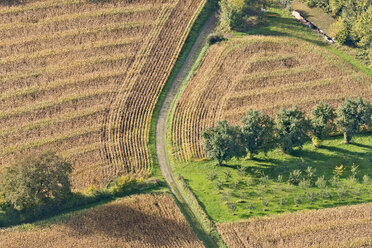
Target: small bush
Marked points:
219	184
366	179
304	184
310	173
215	38
282	201
265	204
321	182
295	177
311	196
280	178
212	175
297	200
228	175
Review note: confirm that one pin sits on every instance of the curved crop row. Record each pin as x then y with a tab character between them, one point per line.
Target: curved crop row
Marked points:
82	78
261	73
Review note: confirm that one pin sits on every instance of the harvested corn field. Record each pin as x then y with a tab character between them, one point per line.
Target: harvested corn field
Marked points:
349	226
137	221
262	73
82	78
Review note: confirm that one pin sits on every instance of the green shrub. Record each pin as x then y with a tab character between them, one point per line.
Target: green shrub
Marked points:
322	122
321	182
351	115
295	177
292	127
222	142
215	38
257	132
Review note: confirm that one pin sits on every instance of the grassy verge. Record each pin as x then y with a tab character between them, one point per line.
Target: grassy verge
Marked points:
195	205
207	223
203	17
209	8
248	188
193	221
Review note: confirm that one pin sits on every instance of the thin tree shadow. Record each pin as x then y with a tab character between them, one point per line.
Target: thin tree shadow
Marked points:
361	145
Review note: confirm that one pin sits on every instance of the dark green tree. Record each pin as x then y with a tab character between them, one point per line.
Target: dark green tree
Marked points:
36	181
322	122
257	132
223	142
351	115
293	128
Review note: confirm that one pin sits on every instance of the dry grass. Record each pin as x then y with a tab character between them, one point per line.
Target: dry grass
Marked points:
263	73
137	221
82	78
349	226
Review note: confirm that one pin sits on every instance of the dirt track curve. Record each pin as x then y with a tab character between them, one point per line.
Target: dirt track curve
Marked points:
161	125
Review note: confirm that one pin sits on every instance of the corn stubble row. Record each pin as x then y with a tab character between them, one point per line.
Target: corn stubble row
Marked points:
262	73
349	226
82	78
137	221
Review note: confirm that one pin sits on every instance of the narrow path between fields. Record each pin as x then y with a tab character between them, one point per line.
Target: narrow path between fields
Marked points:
161	125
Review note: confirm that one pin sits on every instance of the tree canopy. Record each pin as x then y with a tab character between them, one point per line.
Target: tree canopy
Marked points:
352	114
322	122
258	132
35	181
293	128
222	142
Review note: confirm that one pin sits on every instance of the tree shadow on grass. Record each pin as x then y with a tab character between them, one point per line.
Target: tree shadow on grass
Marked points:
301	159
285	23
343	151
361	145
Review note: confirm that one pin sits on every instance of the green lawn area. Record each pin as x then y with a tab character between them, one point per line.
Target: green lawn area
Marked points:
260	187
316	15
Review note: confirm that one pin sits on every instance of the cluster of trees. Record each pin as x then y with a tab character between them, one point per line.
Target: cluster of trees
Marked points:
291	129
354	24
238	14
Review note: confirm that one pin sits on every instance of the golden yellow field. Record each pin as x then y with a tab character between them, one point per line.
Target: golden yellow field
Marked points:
262	73
349	226
136	221
82	77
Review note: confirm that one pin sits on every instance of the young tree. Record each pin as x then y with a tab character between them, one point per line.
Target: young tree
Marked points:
257	132
351	115
222	142
292	128
322	121
35	181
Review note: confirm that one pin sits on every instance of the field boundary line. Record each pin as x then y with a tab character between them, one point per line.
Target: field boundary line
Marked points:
161	132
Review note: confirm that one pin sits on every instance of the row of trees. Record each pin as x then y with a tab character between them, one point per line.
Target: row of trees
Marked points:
291	129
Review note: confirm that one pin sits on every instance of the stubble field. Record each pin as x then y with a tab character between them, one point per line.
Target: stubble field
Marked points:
262	73
136	221
349	226
82	78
